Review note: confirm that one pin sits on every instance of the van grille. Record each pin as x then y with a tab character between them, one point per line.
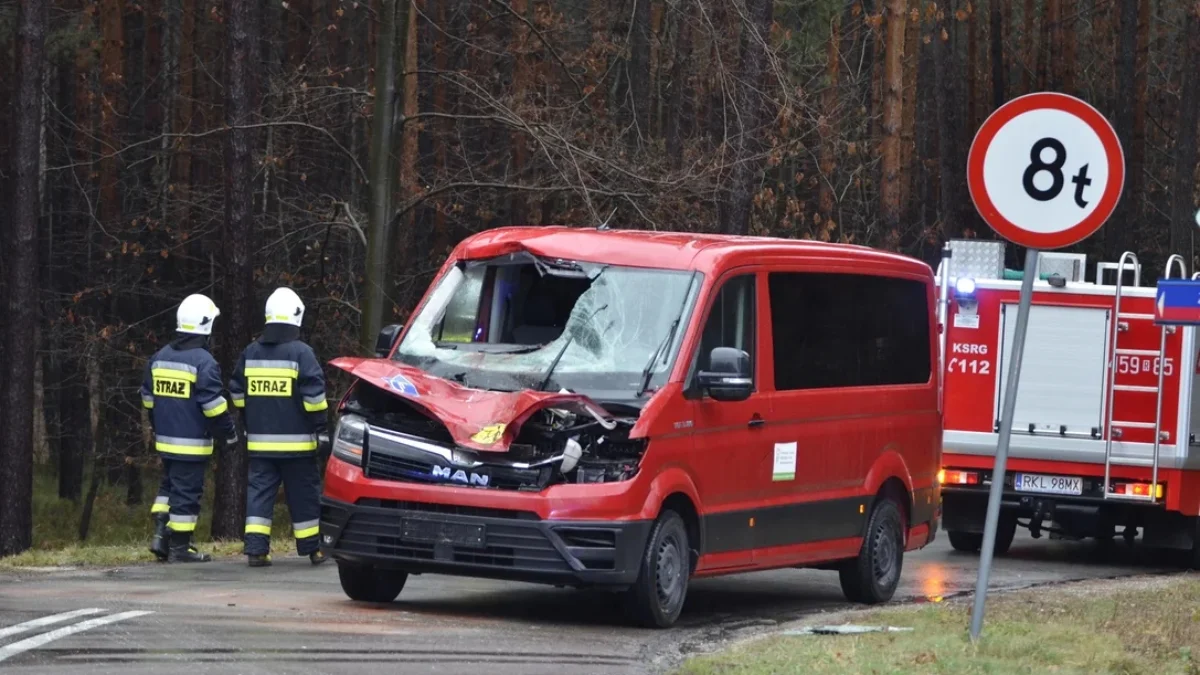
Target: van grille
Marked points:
508	546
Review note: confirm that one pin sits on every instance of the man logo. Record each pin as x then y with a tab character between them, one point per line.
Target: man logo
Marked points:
460	476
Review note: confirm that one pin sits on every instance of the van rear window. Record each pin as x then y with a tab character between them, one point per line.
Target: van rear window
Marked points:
848	330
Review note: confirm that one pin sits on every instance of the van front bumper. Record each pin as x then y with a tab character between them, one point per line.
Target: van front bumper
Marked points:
418	537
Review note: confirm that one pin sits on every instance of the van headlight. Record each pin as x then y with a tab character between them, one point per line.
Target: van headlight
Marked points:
348	439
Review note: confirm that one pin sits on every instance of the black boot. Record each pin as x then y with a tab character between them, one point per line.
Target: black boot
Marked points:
182	550
317	557
259	560
158	544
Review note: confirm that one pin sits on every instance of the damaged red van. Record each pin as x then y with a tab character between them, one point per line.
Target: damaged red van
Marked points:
635	409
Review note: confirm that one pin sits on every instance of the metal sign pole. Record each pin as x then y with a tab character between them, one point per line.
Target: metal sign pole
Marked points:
996	494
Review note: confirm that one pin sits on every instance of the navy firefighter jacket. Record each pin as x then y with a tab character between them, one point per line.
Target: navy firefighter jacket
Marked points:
182	390
280	387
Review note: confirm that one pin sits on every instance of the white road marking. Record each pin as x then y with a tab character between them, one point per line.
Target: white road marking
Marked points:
45	638
46	621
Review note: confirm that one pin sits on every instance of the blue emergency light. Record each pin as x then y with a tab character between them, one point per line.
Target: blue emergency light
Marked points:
964	286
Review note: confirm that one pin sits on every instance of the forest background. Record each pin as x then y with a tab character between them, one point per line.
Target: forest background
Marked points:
155	148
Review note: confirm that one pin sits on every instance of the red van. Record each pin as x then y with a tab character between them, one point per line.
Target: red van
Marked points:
634	409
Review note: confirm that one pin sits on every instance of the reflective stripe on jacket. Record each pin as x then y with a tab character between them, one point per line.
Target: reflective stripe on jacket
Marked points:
280	388
182	389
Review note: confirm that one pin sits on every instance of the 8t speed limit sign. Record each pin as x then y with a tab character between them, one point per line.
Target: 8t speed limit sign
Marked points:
1045	170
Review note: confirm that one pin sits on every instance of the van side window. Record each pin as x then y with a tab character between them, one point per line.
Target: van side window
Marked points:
848	330
730	320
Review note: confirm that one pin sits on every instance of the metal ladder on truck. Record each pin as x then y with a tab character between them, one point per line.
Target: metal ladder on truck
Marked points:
1122	325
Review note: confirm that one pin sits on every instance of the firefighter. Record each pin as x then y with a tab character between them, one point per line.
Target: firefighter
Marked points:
182	390
280	388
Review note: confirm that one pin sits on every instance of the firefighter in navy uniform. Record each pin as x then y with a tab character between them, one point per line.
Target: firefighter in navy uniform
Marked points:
280	388
182	390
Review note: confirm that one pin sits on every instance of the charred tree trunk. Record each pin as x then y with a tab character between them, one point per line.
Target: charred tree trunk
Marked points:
1183	186
241	25
893	90
735	211
21	318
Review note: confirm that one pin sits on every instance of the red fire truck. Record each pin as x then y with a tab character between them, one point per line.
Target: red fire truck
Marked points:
1105	421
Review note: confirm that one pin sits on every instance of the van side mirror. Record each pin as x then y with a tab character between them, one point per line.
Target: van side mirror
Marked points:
387	339
728	377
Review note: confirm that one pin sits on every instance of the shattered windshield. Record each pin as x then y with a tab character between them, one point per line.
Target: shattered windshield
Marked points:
522	322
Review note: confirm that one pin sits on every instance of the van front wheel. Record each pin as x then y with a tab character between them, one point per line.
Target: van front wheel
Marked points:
370	584
656	599
873	576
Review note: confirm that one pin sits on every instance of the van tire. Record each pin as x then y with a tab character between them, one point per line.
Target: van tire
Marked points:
656	599
873	576
369	584
971	542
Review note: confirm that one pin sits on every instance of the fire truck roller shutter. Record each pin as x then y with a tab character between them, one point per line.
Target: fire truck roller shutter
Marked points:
1063	375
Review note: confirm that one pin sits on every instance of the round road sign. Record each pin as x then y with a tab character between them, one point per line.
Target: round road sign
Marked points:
1045	170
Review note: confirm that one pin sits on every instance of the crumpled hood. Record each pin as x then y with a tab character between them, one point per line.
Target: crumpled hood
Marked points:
482	420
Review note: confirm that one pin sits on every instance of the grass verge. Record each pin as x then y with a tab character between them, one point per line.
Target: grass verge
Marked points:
1134	627
119	533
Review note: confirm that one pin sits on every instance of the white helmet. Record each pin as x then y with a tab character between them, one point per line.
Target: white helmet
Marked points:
196	315
284	306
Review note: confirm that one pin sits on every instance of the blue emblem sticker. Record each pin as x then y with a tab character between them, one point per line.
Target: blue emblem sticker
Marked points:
401	384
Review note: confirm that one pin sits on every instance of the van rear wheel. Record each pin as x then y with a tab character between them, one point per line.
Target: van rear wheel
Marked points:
656	599
369	584
873	576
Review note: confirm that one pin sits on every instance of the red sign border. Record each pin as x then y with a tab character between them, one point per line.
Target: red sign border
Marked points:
1042	101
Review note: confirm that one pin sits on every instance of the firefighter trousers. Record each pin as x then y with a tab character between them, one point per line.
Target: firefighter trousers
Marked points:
179	493
302	486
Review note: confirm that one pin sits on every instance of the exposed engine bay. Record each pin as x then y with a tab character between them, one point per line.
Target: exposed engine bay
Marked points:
394	438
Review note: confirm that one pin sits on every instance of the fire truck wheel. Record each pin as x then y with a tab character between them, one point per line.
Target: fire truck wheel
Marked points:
872	577
971	542
656	599
368	584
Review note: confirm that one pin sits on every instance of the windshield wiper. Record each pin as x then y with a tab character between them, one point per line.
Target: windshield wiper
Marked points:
563	350
648	371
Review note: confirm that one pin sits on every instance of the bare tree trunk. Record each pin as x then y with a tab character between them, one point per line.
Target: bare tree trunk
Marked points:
827	124
747	141
999	69
893	90
1118	235
1183	185
679	84
639	73
379	222
77	428
241	67
972	66
21	317
950	174
1029	60
1066	65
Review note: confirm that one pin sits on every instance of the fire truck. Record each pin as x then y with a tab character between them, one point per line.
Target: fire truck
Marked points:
1104	432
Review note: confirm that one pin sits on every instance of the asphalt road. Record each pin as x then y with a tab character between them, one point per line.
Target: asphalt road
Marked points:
223	617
